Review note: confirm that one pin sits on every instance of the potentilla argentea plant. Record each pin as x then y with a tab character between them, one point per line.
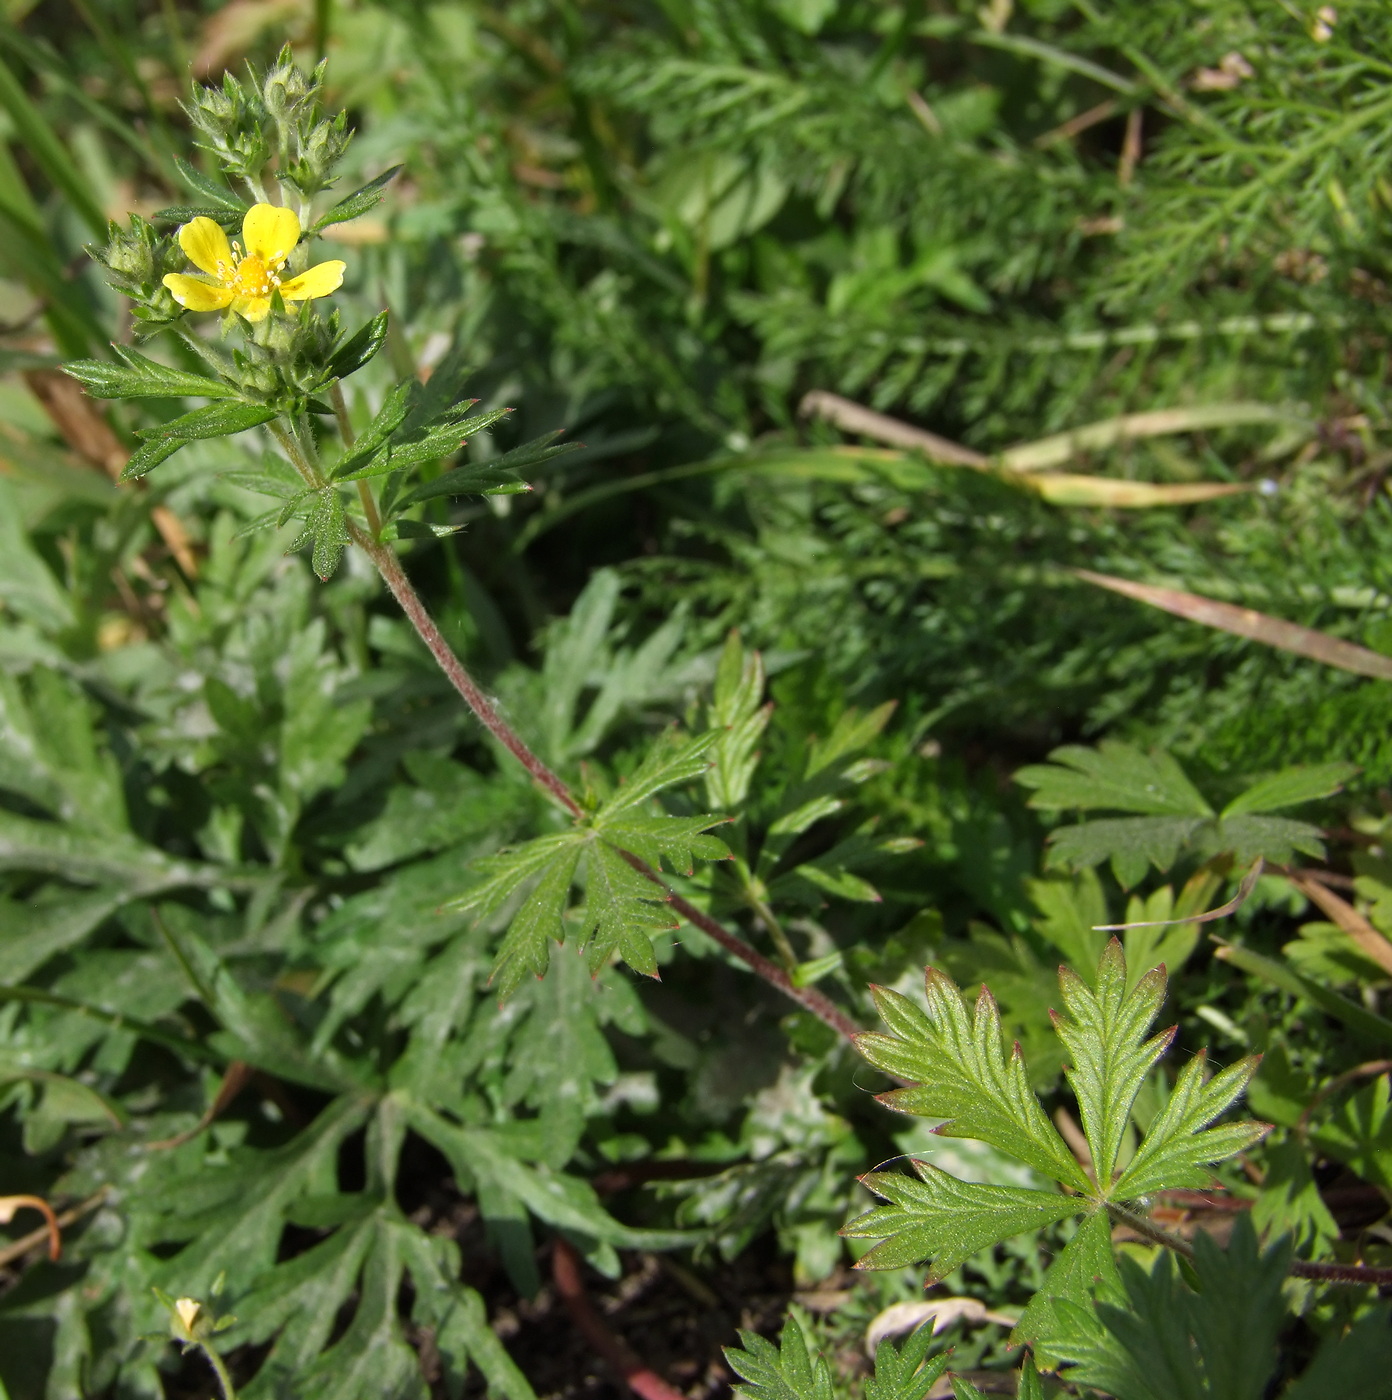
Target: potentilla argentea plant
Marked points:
275	359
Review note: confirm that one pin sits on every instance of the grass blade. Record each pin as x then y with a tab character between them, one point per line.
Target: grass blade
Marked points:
1247	622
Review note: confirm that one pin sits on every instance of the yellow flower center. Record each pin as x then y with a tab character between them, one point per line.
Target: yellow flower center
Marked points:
249	277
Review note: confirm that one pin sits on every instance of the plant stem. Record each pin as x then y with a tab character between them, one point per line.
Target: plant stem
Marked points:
1358	1274
760	906
394	576
345	431
289	440
216	1362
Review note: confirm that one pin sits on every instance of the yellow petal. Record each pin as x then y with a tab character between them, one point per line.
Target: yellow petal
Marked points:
252	308
194	293
317	281
270	233
205	246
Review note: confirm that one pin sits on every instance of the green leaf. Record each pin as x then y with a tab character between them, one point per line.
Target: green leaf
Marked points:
1132	844
230	220
359	348
358	203
1162	1340
1290	787
209	188
485	478
1359	1133
149	455
1070	911
735	711
384	423
1290	1202
216	420
1367	1026
137	376
905	1372
328	527
674	758
1114	775
677	842
1180	1142
525	949
620	912
944	1221
959	1070
789	1371
1351	1364
1105	1034
1275	838
233	1214
1085	1270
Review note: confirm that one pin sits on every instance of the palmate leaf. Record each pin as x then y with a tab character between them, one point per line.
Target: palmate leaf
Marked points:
359	1270
944	1221
1104	1032
789	1371
906	1372
1157	1338
1173	814
620	912
1115	776
958	1069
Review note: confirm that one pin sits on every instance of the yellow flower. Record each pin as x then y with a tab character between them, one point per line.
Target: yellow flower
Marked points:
245	282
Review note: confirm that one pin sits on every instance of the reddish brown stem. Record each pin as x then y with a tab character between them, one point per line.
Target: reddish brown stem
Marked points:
809	998
1342	1273
389	566
640	1378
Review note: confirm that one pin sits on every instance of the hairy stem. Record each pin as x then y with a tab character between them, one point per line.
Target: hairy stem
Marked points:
1358	1274
286	435
394	576
345	431
389	566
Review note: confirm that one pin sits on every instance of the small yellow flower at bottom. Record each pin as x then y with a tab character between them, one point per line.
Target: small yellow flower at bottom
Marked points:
188	1310
247	281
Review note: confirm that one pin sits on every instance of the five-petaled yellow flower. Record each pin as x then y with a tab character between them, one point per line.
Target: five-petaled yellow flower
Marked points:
246	281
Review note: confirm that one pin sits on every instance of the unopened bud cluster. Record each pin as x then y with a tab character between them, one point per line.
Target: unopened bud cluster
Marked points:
246	125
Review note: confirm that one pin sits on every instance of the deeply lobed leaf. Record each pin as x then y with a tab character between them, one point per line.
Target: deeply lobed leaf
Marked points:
944	1221
959	1070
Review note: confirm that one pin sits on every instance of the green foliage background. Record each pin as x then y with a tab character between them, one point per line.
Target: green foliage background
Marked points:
239	807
